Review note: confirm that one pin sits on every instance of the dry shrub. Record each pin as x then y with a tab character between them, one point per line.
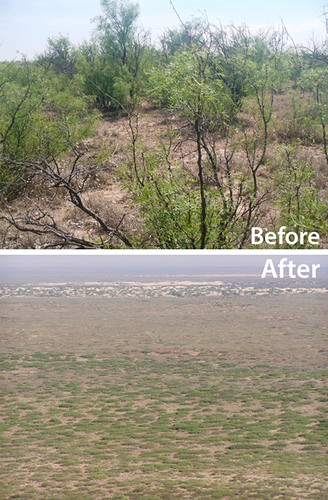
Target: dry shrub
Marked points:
295	118
116	214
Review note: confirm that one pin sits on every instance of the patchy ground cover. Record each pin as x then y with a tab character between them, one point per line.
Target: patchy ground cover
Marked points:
193	397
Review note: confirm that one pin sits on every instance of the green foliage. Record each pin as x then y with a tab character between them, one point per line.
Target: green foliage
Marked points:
117	29
170	206
43	114
187	85
193	34
301	208
93	72
315	81
118	64
60	55
18	102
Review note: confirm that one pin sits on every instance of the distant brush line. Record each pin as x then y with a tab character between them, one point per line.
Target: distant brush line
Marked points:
141	290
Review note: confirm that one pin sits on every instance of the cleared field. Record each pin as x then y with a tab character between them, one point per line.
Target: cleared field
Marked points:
193	397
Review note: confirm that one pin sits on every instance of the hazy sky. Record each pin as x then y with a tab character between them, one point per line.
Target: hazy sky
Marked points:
25	25
143	262
94	266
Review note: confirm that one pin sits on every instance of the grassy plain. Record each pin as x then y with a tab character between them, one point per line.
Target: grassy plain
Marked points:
194	397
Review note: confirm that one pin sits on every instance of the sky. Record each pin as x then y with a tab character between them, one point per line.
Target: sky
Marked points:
25	25
78	266
142	262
